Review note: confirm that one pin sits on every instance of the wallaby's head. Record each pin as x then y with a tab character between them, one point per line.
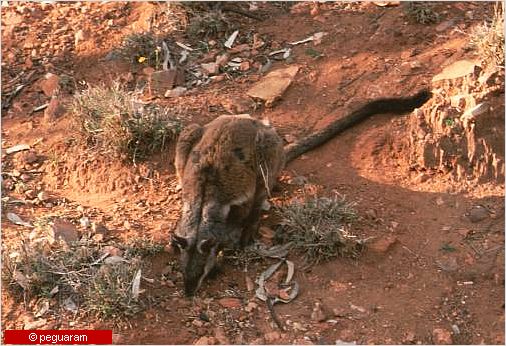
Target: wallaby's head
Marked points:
198	258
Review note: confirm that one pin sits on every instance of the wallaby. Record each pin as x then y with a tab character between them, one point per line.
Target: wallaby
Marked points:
227	169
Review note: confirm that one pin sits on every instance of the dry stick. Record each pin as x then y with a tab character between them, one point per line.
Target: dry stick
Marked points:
242	12
270	307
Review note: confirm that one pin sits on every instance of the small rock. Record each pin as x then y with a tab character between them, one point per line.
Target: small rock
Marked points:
251	307
64	230
49	84
318	315
409	338
442	336
440	201
85	222
161	81
48	205
28	157
197	323
30	325
211	68
298	180
113	251
382	245
371	214
239	48
447	264
464	232
99	228
30	194
118	339
238	104
176	92
421	178
218	78
230	302
272	337
127	225
80	36
221	337
244	66
25	177
8	184
43	196
97	238
257	341
445	25
206	340
54	110
222	59
148	71
477	214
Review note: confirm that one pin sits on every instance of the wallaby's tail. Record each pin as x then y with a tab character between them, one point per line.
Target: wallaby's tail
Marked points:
396	105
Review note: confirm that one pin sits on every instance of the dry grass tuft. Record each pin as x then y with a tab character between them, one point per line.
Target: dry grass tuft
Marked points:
113	120
488	39
81	276
319	227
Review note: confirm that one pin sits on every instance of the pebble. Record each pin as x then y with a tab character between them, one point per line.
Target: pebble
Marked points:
318	315
229	302
85	222
272	337
30	194
442	336
477	214
35	324
221	336
206	340
382	245
251	307
211	68
64	230
43	196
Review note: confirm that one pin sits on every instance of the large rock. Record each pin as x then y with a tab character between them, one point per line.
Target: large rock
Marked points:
161	81
271	87
458	69
49	84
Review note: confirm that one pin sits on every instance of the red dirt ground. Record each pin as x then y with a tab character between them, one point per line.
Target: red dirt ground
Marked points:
392	294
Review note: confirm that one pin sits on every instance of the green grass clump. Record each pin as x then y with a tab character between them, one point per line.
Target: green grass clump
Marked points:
112	119
318	227
421	12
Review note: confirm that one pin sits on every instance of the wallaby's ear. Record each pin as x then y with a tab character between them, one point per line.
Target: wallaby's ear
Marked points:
205	245
180	242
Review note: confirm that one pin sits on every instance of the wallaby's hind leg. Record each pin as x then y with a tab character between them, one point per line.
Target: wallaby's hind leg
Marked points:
187	140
